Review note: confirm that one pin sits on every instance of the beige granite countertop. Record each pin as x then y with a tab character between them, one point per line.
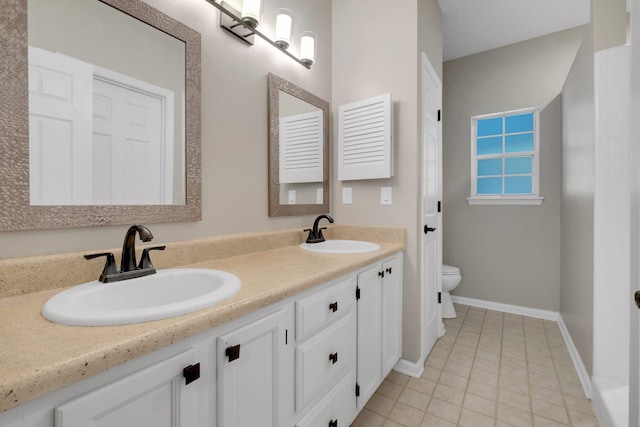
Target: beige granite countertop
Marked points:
74	353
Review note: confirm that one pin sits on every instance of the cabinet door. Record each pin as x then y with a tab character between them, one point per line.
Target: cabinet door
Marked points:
251	363
154	397
391	314
369	370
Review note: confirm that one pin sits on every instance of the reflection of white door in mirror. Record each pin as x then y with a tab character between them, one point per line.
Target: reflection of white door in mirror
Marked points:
97	137
132	141
59	128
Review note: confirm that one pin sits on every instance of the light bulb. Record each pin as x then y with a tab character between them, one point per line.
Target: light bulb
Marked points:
284	24
308	48
251	12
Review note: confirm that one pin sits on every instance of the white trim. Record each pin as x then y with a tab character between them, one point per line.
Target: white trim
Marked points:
411	369
610	402
507	308
583	375
505	200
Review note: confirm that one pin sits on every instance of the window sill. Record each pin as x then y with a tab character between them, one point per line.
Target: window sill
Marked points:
505	200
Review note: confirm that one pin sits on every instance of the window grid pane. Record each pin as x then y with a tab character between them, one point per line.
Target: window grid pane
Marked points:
521	142
519	123
487	127
490	167
491	145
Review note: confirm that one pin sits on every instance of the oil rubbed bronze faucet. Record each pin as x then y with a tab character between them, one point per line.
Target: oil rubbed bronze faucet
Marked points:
315	233
128	267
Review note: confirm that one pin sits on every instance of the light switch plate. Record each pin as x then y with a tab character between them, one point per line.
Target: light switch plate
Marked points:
385	195
292	197
347	194
319	196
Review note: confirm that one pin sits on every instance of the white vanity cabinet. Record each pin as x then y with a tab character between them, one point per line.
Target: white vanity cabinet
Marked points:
157	396
254	372
379	324
326	356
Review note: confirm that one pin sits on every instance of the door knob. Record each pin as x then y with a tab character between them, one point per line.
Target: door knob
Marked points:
638	299
428	229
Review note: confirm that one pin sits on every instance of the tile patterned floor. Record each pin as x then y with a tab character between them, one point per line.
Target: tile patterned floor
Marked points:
489	369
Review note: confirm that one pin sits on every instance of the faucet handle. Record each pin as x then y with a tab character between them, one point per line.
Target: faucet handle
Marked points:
145	260
311	235
110	266
320	237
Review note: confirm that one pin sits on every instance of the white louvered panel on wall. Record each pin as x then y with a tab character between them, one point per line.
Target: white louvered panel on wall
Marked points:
301	146
365	145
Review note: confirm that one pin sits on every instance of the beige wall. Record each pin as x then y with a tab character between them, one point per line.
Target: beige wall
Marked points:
610	25
507	254
368	60
234	131
576	292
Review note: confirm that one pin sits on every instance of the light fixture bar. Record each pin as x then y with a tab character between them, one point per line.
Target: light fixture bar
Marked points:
239	22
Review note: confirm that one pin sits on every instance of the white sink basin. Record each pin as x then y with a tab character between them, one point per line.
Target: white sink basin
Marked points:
341	247
168	293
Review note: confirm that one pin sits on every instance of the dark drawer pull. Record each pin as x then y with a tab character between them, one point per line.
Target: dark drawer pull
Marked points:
333	423
334	358
389	270
233	352
191	373
333	306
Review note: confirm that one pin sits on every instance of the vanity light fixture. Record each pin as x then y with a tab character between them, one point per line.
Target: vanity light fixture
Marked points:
240	24
308	48
284	24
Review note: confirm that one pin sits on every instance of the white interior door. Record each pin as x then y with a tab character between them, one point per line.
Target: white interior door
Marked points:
431	190
634	353
59	128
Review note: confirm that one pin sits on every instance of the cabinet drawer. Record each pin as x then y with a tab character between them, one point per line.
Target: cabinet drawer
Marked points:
323	359
314	312
338	409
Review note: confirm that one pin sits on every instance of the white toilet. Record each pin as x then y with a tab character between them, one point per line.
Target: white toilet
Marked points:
450	279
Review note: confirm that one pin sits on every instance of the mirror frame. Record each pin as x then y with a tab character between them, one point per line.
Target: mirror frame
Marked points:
16	212
277	84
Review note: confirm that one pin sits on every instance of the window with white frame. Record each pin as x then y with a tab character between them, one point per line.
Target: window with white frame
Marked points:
505	158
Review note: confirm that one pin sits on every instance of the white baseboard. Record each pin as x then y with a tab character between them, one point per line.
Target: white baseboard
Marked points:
507	308
583	375
412	369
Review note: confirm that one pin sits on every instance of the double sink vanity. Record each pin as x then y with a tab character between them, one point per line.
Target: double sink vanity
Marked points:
305	340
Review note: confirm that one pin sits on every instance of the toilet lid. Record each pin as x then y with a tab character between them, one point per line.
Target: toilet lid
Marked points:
449	269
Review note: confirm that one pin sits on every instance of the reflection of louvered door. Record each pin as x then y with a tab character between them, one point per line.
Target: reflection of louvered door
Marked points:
366	139
301	144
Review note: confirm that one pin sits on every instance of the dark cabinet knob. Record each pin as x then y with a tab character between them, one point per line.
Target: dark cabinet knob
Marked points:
333	423
334	358
333	306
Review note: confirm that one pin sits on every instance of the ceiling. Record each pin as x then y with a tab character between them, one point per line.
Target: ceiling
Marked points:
472	26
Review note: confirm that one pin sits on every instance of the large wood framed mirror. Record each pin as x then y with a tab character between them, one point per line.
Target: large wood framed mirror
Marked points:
298	150
123	47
